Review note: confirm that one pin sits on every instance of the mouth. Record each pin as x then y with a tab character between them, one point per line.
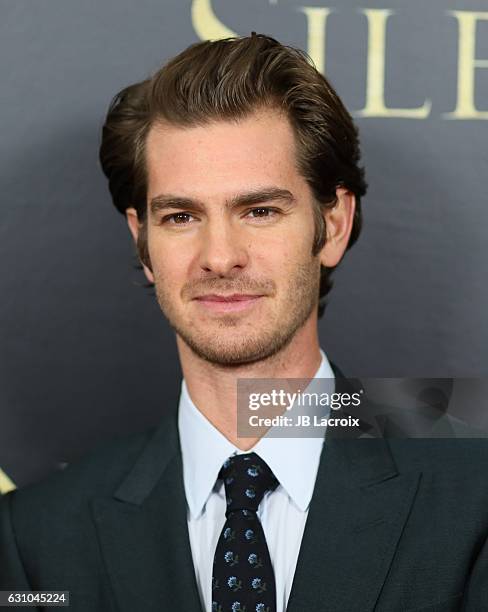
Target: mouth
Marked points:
227	303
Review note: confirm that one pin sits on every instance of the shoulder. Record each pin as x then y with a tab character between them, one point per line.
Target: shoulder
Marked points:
66	491
455	458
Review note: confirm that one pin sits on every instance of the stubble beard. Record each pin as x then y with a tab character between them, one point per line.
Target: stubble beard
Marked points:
243	342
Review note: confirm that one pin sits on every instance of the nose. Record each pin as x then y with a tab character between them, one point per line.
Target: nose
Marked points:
222	250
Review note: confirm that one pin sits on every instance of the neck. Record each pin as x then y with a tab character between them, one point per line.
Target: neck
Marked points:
213	387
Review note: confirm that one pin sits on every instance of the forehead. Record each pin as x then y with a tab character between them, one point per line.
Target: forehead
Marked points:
222	155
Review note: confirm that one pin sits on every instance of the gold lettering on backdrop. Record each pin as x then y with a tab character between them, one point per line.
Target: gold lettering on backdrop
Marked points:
467	64
316	29
375	80
206	23
6	484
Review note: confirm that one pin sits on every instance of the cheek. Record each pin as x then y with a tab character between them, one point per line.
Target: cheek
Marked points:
168	263
285	250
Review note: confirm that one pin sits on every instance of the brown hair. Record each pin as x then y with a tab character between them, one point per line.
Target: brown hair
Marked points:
229	79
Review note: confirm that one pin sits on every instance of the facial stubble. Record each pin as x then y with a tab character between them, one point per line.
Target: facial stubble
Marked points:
245	340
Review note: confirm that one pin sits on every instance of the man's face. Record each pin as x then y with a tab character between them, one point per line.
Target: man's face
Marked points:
230	231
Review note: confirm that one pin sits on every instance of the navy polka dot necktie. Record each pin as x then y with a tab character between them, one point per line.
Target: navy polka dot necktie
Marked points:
243	577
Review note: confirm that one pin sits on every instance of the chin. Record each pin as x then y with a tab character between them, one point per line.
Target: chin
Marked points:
231	353
237	349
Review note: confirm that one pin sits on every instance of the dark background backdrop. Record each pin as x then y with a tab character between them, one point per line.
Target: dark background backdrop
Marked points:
84	352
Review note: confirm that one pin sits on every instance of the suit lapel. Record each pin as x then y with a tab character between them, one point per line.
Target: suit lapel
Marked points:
357	513
143	531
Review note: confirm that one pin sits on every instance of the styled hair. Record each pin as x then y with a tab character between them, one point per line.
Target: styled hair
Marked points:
228	80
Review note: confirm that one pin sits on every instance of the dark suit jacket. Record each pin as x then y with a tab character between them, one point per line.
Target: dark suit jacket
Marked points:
393	526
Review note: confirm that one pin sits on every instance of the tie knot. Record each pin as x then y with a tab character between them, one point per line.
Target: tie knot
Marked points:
246	479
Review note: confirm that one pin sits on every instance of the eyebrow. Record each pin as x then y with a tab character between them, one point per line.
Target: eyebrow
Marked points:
163	202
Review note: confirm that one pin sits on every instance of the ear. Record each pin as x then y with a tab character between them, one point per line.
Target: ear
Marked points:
133	223
135	228
338	220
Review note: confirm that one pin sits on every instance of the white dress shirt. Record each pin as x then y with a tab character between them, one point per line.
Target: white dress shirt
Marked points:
283	512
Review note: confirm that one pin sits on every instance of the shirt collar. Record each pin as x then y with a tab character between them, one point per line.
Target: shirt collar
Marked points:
294	461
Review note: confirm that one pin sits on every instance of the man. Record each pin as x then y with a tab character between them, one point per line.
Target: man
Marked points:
236	166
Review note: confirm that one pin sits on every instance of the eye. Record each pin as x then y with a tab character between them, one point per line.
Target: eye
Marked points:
263	212
180	218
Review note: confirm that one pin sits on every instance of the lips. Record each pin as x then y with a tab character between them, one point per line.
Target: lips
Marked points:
218	304
236	297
